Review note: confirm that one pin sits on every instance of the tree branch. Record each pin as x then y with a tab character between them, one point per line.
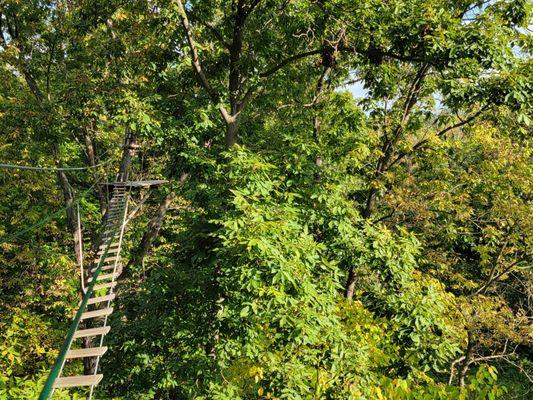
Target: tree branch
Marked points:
452	368
137	208
491	280
250	7
371	53
289	60
217	34
197	66
421	143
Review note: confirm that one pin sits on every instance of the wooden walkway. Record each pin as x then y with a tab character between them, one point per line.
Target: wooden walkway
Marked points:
96	307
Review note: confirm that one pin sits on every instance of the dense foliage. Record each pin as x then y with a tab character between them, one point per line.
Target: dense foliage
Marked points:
348	206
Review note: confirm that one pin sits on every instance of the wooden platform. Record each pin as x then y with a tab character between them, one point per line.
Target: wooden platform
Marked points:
137	184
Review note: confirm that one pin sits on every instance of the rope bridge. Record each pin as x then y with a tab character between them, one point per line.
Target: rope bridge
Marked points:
96	303
85	336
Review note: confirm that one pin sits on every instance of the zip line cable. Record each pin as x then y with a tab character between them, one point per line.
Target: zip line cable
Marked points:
56	169
47	218
52	169
59	212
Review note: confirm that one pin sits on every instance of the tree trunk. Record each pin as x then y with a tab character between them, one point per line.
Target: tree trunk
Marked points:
72	216
130	144
28	77
234	81
350	284
231	132
370	200
466	362
91	158
152	232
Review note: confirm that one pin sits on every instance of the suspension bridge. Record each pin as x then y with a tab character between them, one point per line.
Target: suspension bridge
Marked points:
85	337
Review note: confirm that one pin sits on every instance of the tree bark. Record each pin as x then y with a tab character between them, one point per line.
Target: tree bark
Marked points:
234	82
384	160
91	158
467	360
350	284
72	216
237	98
130	144
231	131
152	232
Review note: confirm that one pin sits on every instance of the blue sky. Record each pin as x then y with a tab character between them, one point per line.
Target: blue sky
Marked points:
357	90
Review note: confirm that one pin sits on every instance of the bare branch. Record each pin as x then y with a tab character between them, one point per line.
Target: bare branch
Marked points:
452	368
421	143
197	66
464	121
289	60
491	280
137	208
521	369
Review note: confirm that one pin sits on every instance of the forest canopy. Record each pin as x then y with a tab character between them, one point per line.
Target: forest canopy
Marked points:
347	206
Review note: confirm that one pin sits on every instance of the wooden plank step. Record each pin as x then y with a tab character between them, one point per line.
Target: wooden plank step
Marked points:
110	259
109	237
97	313
105	285
79	380
103	330
112	246
104	268
103	277
110	251
83	353
101	299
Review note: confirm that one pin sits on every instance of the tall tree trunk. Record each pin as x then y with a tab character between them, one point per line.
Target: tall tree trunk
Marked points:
91	158
74	226
234	81
369	205
72	216
130	144
466	362
350	284
154	226
231	131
